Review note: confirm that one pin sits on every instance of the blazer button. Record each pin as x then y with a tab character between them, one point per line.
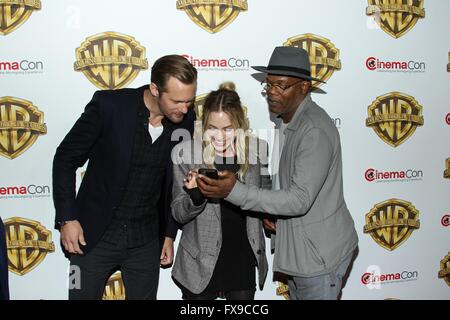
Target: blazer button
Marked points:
114	208
259	252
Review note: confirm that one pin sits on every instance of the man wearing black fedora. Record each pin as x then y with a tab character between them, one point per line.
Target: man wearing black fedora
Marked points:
315	239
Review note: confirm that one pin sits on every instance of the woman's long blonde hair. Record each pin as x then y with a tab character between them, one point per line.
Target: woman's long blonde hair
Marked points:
226	100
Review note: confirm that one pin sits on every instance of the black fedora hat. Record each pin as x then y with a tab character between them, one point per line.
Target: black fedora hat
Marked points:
289	61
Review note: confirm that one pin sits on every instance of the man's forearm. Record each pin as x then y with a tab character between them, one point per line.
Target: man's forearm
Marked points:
276	202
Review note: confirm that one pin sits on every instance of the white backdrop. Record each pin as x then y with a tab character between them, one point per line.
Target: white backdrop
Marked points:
51	35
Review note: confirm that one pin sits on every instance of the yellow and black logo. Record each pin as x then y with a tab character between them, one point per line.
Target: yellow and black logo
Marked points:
110	60
283	290
447	169
391	222
27	242
212	15
14	13
283	287
323	55
198	105
444	273
448	65
394	117
396	17
114	289
21	123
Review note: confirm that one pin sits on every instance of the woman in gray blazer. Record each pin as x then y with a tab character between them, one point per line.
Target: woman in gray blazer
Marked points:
221	244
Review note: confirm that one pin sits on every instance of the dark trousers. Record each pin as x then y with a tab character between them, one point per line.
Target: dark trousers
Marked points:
139	267
4	288
230	295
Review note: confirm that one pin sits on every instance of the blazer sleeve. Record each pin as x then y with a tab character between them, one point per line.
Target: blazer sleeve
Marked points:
168	225
183	209
312	161
72	153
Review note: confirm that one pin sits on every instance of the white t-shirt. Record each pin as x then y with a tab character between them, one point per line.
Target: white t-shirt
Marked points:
278	145
155	132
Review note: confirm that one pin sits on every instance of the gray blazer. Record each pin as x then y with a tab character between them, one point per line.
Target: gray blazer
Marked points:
201	238
315	230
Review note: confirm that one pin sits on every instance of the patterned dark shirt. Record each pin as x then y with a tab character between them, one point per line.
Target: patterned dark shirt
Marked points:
138	214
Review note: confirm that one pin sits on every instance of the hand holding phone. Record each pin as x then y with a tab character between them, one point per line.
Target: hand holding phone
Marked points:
208	172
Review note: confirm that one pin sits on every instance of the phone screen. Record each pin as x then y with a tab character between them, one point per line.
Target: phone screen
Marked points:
210	173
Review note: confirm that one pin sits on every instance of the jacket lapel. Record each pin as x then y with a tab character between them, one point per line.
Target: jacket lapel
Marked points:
128	117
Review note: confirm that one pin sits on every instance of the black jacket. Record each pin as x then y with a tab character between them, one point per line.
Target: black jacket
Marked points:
104	135
4	289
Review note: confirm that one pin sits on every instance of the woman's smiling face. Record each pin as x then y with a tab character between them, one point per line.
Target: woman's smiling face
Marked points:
221	133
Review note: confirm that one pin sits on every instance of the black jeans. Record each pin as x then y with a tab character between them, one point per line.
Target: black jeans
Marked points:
139	267
4	291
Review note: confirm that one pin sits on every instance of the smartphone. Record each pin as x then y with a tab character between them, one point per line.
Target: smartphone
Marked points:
210	173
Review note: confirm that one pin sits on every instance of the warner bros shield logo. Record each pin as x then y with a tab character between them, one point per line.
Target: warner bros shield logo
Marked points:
394	117
21	123
396	17
447	169
110	60
114	289
14	13
444	272
391	222
283	287
212	15
323	55
28	243
448	65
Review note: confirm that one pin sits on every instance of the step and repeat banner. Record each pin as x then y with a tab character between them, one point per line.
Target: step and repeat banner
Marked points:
387	67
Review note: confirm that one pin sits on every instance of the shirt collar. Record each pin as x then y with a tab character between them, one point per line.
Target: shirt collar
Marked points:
295	121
